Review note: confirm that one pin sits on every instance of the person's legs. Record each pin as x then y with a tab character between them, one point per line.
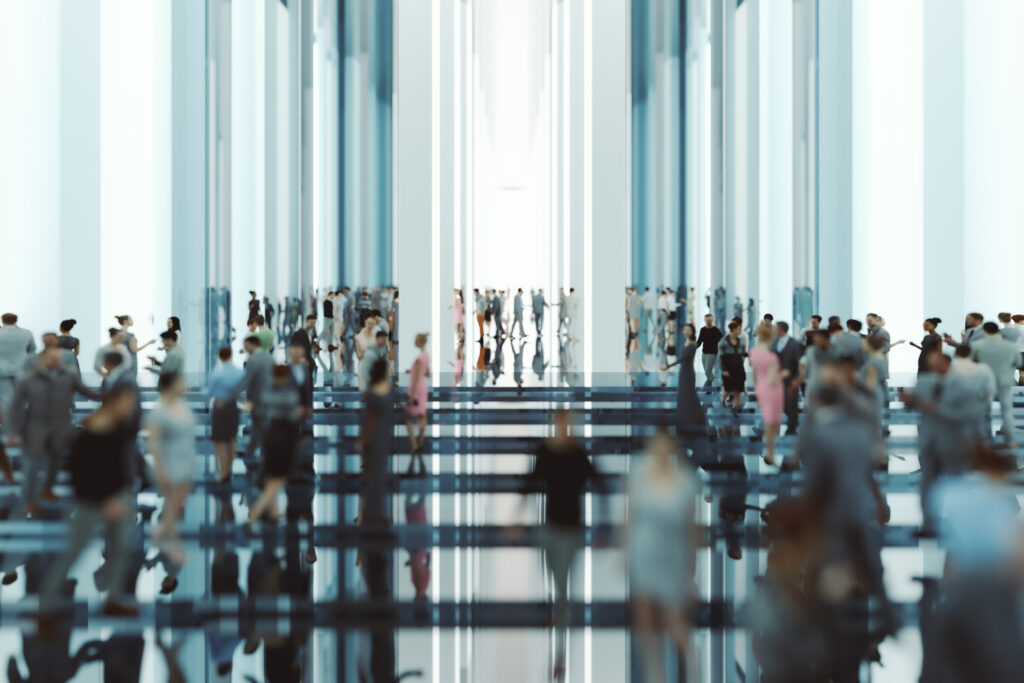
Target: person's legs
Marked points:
644	625
792	410
770	432
256	433
709	360
560	549
33	463
80	530
119	542
266	500
53	463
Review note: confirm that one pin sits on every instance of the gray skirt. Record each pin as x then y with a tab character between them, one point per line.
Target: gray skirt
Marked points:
224	422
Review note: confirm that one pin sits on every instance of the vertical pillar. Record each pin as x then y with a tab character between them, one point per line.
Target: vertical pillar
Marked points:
188	177
78	181
835	151
804	160
302	79
717	148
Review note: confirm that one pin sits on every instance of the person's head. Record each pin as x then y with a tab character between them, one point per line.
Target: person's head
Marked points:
662	444
281	373
224	354
689	332
1005	318
834	328
174	324
51	357
768	317
871	319
572	290
310	322
875	343
834	319
169	339
119	402
709	320
67	325
781	329
381	338
9	319
963	351
476	290
379	371
252	324
990	328
330	294
854	325
821	339
815	321
171	385
937	362
973	320
251	344
421	340
296	354
519	291
734	328
252	294
49	339
764	334
932	324
124	320
562	421
260	320
117	335
112	360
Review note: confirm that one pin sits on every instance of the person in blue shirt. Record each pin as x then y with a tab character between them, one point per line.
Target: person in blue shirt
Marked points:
224	412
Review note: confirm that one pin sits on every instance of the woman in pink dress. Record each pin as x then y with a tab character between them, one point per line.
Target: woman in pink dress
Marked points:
769	389
416	400
458	305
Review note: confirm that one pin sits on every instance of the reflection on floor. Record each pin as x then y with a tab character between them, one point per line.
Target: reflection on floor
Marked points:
287	602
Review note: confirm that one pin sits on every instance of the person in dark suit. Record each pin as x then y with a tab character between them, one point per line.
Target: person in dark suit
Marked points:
789	352
306	337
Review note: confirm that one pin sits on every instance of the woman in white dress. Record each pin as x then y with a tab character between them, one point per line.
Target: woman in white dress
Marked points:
660	544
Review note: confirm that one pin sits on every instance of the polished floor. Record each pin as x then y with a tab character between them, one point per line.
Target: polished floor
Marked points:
269	603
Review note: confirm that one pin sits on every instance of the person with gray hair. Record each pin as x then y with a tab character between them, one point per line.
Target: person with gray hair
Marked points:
1002	357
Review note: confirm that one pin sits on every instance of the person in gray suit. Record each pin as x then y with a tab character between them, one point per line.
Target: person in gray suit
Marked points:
258	376
789	352
539	304
499	329
517	312
972	330
1003	358
850	344
17	348
40	418
174	360
1011	331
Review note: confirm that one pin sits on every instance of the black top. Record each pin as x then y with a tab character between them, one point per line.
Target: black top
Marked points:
98	465
377	458
254	307
68	343
563	473
929	343
328	309
708	339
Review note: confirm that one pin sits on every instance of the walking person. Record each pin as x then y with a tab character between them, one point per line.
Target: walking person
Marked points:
480	306
116	344
789	352
174	356
708	341
17	348
224	414
690	419
769	388
40	419
517	309
562	471
171	440
660	533
282	410
255	382
459	305
539	304
416	401
731	352
101	480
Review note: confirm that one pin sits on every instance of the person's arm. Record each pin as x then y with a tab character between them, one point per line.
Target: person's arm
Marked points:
84	390
17	414
414	383
78	348
97	363
918	346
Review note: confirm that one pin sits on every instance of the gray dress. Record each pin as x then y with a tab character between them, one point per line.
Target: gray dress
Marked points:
661	534
176	441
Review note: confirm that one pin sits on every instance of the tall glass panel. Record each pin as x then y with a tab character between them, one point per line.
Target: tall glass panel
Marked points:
367	146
